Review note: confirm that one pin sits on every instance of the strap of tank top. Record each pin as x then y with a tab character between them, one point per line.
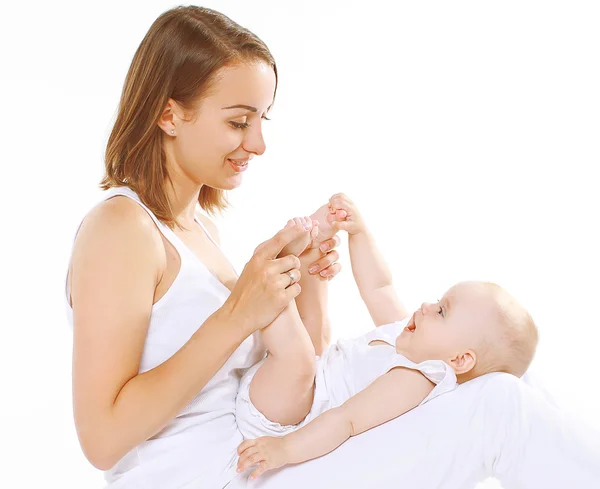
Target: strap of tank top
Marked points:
127	191
166	231
199	221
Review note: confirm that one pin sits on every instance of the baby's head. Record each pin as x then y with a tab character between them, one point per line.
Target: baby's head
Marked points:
476	328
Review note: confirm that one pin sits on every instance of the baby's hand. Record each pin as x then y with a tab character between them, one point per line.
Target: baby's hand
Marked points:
353	222
267	452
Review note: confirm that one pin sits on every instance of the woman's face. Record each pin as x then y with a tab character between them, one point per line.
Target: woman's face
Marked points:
215	148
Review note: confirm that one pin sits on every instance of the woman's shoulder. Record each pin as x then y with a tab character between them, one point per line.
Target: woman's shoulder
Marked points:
117	225
119	215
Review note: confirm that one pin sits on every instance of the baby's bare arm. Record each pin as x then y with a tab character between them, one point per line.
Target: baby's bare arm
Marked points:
390	396
374	279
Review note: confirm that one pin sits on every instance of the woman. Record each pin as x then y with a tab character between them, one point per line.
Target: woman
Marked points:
163	327
146	271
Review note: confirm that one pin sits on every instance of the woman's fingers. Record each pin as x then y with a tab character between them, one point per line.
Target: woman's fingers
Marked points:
292	292
272	247
289	278
330	243
284	264
324	262
331	271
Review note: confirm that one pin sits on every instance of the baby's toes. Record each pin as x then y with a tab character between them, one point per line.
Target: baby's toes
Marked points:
315	229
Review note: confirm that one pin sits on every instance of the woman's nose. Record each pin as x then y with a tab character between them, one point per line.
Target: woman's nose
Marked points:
255	142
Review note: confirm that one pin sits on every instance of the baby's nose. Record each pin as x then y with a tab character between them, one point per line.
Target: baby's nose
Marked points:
424	307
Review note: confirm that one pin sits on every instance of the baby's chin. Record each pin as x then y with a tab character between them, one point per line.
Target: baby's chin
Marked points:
404	349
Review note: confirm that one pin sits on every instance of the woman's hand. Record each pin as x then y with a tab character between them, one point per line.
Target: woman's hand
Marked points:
267	284
327	266
268	452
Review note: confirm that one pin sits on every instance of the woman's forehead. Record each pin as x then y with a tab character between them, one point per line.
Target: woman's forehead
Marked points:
248	84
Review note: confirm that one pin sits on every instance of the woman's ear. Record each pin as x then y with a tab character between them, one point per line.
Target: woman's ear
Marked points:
168	119
464	362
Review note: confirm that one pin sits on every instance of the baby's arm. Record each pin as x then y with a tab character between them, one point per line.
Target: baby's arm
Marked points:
390	396
371	273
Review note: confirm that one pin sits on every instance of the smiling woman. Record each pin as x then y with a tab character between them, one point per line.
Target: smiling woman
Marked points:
220	136
210	88
162	324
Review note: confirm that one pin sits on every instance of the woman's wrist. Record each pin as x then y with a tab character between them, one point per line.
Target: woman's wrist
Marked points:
240	325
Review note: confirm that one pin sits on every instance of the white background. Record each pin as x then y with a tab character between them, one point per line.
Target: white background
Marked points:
467	132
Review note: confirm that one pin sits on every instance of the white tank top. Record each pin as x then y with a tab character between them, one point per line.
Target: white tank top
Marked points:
201	442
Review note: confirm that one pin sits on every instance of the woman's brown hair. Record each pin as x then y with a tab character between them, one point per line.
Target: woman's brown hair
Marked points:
178	58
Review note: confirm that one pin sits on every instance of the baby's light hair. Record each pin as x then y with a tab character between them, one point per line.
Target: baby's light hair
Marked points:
511	345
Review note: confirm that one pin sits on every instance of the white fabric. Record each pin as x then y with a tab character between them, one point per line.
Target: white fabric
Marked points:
201	441
495	425
345	368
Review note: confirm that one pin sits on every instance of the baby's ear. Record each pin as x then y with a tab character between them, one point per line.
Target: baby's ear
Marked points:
464	362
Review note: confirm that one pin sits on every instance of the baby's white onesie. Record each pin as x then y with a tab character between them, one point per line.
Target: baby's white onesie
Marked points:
345	368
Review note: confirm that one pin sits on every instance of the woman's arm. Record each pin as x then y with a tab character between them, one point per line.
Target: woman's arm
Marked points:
390	396
117	260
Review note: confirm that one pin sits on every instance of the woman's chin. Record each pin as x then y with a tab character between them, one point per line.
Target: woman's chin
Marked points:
234	181
230	183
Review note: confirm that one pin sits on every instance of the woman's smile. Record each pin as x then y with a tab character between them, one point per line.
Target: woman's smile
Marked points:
238	165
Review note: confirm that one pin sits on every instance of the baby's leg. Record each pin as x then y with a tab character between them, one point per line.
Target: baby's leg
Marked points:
282	388
312	303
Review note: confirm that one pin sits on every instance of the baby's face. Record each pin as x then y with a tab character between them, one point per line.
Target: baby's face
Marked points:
448	328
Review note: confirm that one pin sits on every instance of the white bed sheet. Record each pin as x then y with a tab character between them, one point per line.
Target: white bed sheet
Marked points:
496	425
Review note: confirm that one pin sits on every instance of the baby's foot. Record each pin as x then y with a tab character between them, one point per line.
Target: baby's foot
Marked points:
297	246
325	217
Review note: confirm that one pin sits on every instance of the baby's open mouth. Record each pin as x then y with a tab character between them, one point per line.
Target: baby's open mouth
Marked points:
411	326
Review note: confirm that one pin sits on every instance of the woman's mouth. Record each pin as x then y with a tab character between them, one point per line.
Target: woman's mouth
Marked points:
238	165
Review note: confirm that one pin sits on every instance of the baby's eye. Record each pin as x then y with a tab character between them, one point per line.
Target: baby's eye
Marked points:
440	311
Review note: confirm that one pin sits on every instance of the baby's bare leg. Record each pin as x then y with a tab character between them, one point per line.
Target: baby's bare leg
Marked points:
313	301
283	387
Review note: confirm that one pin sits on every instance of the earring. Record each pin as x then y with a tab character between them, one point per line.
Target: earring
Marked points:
172	131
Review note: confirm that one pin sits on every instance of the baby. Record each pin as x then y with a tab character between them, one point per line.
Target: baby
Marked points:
476	328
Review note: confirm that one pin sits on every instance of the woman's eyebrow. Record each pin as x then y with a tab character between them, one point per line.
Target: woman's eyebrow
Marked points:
240	106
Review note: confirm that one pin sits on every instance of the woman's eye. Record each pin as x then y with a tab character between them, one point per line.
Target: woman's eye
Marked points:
265	118
239	125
